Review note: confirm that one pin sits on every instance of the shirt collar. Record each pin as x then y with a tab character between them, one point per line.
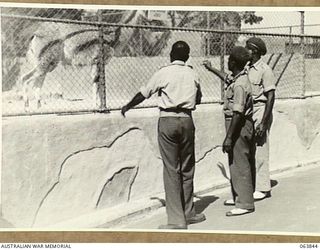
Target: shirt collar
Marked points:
230	79
178	62
256	64
243	72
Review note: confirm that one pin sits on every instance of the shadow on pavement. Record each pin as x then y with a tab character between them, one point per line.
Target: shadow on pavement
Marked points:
200	205
162	201
274	183
204	202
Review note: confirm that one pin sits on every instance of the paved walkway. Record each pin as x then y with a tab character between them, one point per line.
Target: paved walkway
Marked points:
293	208
5	224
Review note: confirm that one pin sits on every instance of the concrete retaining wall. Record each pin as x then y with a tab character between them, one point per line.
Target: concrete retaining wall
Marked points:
60	168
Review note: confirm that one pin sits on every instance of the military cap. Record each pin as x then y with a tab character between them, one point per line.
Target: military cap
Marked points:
258	43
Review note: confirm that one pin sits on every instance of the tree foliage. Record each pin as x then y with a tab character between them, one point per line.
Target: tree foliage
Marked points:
215	43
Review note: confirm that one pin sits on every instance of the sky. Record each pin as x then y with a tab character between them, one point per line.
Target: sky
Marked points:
272	16
288	18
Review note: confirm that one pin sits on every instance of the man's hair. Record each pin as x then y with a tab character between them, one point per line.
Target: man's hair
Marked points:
180	51
240	56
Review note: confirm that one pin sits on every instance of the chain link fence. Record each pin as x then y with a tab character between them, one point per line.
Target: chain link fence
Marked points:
73	60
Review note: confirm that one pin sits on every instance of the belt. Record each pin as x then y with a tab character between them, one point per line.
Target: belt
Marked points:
247	117
259	101
177	110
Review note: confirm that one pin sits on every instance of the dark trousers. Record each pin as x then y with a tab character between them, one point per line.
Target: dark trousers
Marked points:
176	143
242	164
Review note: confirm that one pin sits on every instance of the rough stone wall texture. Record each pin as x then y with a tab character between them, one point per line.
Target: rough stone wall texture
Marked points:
55	168
295	132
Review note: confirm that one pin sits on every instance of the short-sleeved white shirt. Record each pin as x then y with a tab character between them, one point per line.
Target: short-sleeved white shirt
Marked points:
177	85
262	80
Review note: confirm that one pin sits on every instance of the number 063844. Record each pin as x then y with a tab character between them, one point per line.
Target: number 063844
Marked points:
308	245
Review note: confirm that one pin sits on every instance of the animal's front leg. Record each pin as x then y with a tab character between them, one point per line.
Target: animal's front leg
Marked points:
26	81
27	105
95	82
37	95
25	95
39	81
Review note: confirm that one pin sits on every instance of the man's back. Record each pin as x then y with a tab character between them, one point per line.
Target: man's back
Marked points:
177	85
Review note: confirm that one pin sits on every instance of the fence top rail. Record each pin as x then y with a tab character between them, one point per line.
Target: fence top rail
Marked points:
284	26
99	24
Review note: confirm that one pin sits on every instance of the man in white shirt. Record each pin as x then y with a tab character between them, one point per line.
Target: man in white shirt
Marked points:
262	81
178	88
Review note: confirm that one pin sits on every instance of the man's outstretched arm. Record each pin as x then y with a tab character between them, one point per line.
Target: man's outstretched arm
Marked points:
136	100
198	95
222	75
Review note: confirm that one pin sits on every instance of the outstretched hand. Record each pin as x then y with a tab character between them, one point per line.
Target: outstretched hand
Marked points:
261	130
207	64
124	109
227	145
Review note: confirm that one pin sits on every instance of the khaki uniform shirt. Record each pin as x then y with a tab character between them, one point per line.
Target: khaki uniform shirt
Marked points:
262	80
176	84
238	96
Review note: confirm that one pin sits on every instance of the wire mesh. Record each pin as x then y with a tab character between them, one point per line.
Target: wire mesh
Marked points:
312	66
57	56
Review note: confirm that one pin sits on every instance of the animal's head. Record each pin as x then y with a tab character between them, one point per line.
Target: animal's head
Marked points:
142	41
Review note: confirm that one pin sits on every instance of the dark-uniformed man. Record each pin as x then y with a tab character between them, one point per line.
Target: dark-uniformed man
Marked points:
178	89
239	141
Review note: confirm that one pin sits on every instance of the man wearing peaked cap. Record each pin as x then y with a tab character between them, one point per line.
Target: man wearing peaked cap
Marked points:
262	81
257	43
178	88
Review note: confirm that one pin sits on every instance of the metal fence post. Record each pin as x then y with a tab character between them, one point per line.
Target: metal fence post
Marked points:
208	35
1	90
101	68
303	52
140	42
290	40
222	52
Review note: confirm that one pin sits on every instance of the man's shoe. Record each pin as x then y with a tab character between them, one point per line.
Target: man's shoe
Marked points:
173	226
239	211
196	219
258	195
229	202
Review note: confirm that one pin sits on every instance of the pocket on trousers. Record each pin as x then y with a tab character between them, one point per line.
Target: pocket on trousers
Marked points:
249	130
229	94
